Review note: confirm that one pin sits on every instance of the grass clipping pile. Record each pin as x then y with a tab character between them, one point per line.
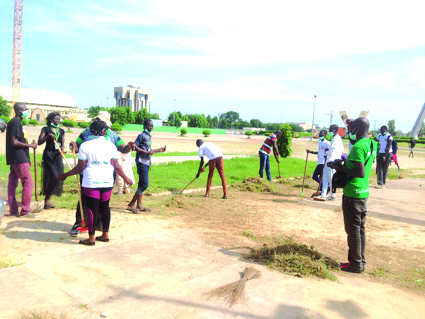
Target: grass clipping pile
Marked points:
179	201
295	259
233	292
257	185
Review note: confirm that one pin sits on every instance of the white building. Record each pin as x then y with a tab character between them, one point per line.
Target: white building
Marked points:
133	96
41	102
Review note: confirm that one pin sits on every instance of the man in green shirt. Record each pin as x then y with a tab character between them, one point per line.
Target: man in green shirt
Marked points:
357	167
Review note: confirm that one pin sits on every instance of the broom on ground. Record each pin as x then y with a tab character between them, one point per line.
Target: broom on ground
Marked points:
233	292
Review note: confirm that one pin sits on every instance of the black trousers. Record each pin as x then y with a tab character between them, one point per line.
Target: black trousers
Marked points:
354	211
382	168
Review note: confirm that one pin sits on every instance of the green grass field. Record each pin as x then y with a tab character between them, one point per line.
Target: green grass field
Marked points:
175	176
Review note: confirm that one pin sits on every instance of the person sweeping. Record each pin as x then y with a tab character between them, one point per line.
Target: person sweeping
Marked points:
321	155
215	157
98	159
264	153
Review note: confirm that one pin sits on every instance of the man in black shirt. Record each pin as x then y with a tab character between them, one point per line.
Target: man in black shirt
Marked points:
18	157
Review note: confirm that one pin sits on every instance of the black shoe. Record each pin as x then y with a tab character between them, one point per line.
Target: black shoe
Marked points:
352	270
99	226
74	231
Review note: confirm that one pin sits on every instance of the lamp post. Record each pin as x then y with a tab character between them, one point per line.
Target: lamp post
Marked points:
312	122
331	118
107	102
258	120
281	120
174	114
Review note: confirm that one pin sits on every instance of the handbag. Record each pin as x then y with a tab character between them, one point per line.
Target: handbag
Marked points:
340	179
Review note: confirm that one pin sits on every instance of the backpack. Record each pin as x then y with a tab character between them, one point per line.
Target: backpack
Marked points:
393	145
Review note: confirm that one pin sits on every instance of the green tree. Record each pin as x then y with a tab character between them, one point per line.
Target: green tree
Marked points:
183	131
177	115
5	118
93	111
422	130
155	116
116	127
256	123
391	127
223	123
68	123
130	116
5	109
206	133
83	125
248	133
119	114
284	143
140	116
214	121
296	127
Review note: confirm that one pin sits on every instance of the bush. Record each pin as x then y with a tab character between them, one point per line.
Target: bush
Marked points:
116	127
248	133
284	143
83	124
206	133
33	122
5	118
68	124
24	122
183	132
267	133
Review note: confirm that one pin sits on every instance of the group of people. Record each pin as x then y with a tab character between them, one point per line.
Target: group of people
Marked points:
99	150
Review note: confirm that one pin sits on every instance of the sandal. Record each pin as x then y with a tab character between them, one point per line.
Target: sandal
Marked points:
87	242
105	240
138	211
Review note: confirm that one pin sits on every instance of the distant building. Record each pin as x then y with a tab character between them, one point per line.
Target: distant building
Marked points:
41	102
133	96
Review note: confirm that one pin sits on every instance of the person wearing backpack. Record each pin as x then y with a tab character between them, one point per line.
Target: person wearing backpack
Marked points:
394	157
384	157
356	192
412	144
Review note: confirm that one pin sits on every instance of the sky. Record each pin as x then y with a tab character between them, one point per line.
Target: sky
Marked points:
263	59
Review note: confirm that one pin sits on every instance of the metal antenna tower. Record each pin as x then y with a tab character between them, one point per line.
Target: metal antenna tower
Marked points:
17	53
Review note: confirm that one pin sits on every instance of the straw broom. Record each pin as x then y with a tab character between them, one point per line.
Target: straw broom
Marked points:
231	293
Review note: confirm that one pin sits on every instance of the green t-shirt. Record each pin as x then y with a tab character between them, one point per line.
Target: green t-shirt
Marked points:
360	152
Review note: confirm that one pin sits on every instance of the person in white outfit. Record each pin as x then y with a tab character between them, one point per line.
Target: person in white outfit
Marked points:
333	153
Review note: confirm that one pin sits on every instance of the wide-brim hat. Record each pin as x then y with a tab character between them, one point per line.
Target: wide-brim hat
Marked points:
105	117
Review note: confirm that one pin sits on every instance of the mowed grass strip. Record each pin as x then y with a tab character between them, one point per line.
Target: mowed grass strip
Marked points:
173	176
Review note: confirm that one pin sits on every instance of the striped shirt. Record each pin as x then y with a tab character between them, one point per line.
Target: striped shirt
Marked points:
268	144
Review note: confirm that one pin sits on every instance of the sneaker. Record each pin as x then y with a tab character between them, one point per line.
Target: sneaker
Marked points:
320	198
380	186
74	231
28	215
224	197
330	198
344	265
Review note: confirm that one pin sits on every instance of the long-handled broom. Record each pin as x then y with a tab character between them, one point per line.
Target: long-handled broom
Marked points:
319	188
231	293
192	180
83	227
305	169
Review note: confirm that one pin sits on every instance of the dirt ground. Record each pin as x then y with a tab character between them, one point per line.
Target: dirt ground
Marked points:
395	251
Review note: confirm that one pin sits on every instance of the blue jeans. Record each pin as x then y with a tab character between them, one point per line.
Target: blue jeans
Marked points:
264	163
143	172
317	173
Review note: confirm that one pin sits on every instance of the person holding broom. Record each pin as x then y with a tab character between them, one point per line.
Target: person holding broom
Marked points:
85	136
215	157
98	159
18	158
52	159
142	146
321	158
264	152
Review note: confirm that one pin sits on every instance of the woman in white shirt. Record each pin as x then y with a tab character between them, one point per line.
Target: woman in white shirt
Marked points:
97	159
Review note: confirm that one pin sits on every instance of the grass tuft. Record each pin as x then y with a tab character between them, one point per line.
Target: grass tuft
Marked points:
179	201
6	263
257	185
291	257
39	314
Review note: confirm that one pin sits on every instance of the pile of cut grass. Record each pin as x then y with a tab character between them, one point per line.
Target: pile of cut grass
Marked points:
296	259
179	201
39	314
256	185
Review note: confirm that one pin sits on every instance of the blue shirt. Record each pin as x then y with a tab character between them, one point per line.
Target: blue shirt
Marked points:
144	142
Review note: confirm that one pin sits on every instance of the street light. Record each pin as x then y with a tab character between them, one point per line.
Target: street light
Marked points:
258	120
281	120
331	118
314	107
174	114
107	102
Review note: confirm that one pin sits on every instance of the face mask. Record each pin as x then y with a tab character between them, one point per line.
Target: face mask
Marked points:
385	133
53	124
331	134
25	114
321	138
353	134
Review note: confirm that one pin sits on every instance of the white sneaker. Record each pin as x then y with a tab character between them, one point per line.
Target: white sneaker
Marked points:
379	186
320	198
330	198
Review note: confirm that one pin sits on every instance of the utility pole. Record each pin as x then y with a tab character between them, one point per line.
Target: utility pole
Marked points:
174	120
312	122
331	119
17	54
258	120
218	118
107	102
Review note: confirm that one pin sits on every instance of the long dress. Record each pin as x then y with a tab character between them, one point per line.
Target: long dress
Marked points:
52	165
